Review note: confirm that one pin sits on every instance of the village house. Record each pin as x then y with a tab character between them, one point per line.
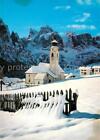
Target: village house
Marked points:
46	72
85	71
89	70
96	69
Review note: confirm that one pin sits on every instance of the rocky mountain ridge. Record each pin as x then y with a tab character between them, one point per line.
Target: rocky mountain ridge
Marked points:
75	50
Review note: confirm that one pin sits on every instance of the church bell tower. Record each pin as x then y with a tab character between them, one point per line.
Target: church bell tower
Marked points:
54	56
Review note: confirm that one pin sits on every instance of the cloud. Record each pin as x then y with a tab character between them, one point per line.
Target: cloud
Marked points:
84	17
87	2
81	27
80	1
67	7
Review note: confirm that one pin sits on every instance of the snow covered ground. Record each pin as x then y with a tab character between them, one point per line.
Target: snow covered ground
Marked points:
13	83
83	124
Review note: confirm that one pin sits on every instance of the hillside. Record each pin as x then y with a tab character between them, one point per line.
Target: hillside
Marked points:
83	124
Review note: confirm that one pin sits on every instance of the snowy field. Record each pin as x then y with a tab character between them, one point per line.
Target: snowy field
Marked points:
13	83
83	124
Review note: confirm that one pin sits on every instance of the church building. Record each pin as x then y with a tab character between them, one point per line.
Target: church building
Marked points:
46	72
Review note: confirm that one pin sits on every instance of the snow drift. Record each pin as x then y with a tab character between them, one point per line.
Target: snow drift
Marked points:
82	124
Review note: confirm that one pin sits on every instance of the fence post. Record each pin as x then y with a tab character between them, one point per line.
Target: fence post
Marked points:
70	94
65	111
57	92
30	95
66	96
44	96
75	96
53	93
61	92
47	95
50	94
70	100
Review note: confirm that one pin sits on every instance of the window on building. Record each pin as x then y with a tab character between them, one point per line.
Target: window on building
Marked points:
84	73
38	82
54	43
96	70
49	80
52	55
83	70
92	70
29	80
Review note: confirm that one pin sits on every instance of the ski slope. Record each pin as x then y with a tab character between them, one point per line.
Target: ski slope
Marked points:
83	124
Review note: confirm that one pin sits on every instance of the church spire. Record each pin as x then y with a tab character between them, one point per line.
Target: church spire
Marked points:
54	56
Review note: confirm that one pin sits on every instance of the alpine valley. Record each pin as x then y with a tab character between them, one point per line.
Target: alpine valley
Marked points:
75	49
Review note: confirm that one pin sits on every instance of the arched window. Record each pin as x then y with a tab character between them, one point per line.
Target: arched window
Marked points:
52	55
54	43
29	80
49	80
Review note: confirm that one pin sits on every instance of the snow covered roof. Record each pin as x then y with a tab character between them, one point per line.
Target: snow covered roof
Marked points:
54	44
47	65
52	74
98	67
40	76
41	68
54	41
85	68
60	69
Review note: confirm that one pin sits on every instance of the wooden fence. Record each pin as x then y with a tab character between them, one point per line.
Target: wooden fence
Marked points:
14	102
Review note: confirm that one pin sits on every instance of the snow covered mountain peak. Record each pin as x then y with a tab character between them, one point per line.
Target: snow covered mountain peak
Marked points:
75	50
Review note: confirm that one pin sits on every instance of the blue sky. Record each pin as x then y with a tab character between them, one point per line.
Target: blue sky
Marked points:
78	16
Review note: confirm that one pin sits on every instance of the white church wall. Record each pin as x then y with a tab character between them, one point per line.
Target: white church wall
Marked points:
62	77
49	79
30	78
38	81
39	78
